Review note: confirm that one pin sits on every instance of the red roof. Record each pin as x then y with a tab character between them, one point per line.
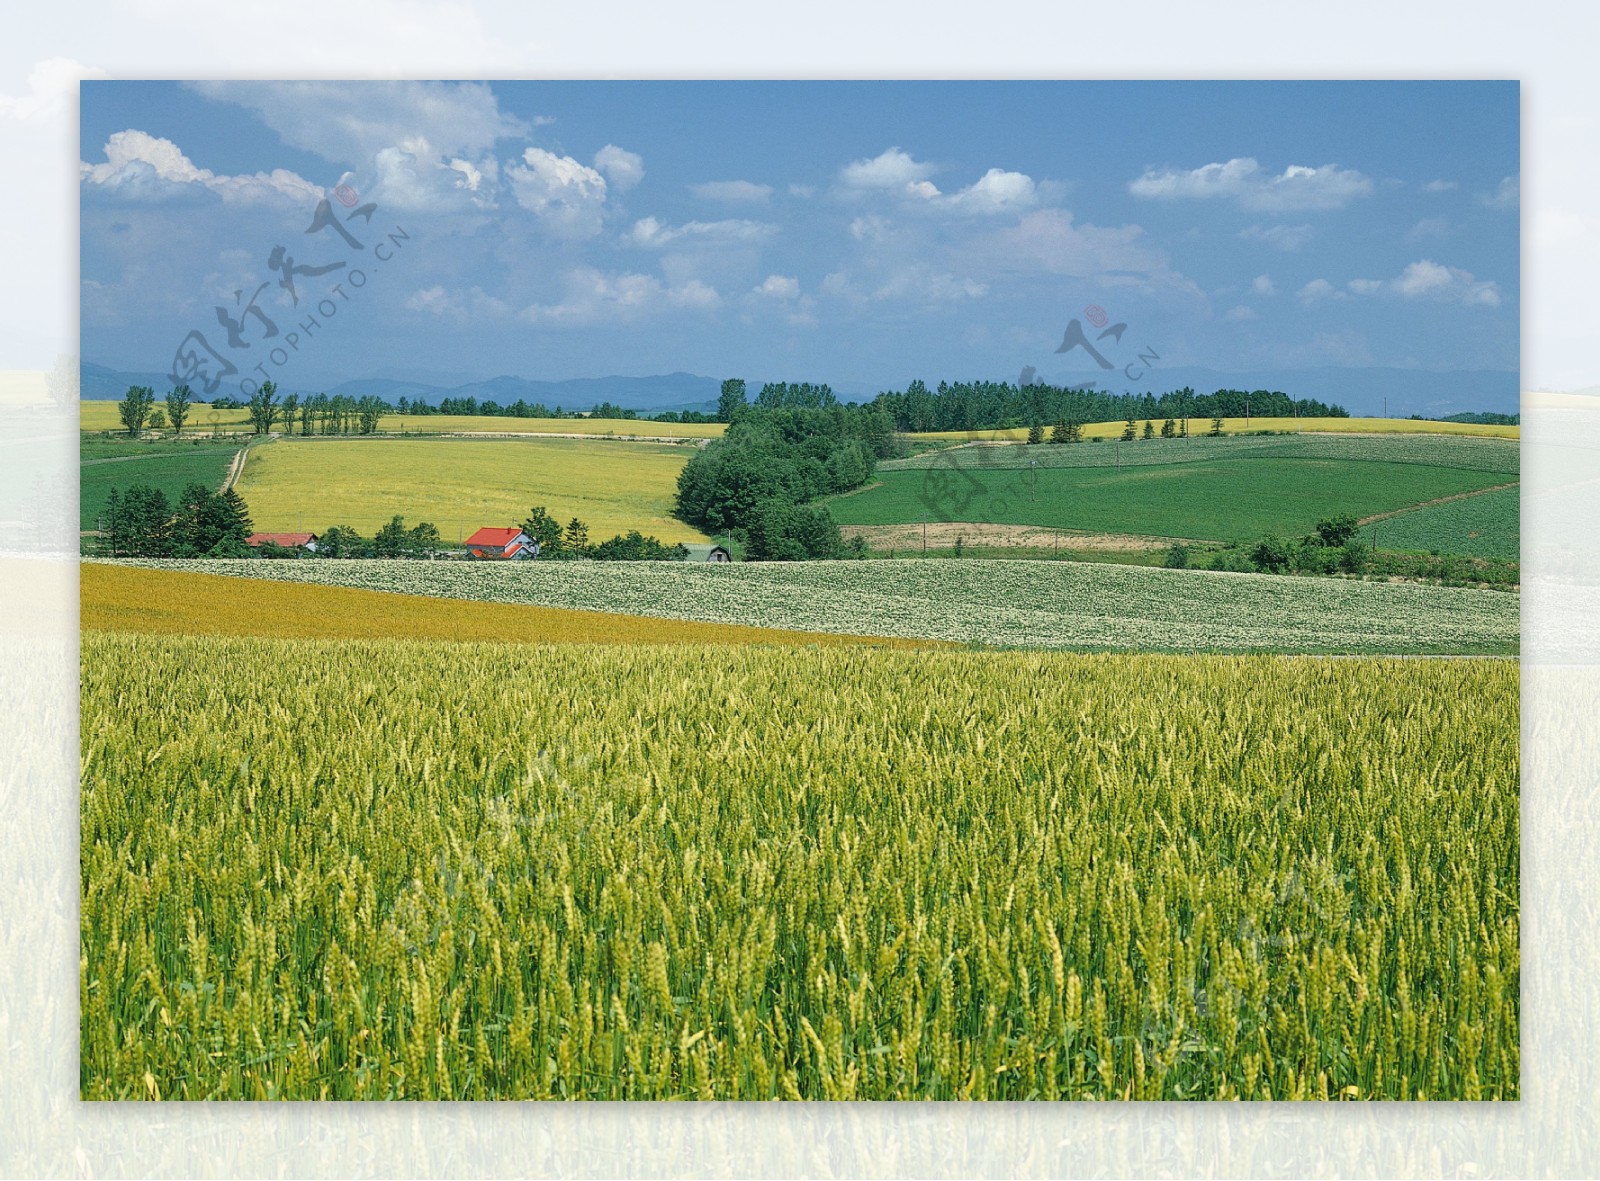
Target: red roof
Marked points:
499	538
287	540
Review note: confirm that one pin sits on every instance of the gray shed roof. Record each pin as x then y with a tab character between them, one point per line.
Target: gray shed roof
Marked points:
701	551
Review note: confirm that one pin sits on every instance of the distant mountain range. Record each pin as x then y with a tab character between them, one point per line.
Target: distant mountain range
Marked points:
670	391
1362	391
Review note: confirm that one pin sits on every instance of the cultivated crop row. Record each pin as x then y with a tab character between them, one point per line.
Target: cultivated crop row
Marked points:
1006	603
1451	451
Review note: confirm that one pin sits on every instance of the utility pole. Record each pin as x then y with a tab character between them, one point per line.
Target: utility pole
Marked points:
924	532
1033	481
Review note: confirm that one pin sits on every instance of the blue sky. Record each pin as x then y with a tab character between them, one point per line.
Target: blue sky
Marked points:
857	233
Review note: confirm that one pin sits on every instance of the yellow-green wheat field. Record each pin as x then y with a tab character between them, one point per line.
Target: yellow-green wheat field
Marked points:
386	869
462	485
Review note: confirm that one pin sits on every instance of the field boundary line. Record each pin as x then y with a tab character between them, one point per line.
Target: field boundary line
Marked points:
1439	500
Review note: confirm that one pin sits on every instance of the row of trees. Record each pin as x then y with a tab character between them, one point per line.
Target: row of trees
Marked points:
138	409
573	541
142	523
998	405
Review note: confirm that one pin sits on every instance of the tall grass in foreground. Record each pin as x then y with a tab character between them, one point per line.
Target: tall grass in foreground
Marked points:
422	870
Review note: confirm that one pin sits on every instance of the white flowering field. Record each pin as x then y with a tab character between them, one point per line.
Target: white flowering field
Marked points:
984	602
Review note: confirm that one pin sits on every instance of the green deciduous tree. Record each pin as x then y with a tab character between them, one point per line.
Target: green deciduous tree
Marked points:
341	541
134	409
264	407
544	529
423	540
636	547
1335	531
178	402
392	541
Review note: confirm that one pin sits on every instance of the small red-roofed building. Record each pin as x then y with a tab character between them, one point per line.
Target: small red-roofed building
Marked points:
305	541
501	545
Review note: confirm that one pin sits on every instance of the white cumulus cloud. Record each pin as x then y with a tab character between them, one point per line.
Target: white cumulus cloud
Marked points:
350	122
594	297
142	165
1507	194
1318	290
893	171
778	287
623	169
654	234
460	306
1426	279
1244	181
567	197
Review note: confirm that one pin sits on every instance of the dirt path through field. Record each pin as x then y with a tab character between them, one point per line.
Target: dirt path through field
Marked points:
1438	500
943	535
234	469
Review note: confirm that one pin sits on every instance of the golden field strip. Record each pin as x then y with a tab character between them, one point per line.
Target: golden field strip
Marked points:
102	416
167	602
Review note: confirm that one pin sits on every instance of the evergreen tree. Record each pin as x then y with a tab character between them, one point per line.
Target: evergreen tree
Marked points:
1149	429
1169	429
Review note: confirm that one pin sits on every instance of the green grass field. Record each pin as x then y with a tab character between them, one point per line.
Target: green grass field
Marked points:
1484	526
977	601
462	485
105	465
1214	500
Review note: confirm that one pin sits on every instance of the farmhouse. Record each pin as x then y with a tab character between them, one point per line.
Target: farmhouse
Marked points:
706	552
305	541
501	544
